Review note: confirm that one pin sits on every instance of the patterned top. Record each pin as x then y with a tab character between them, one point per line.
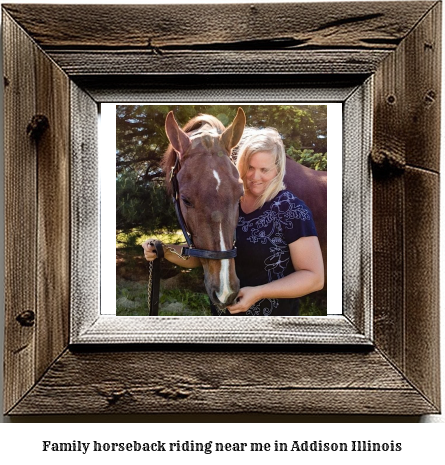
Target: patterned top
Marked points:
262	239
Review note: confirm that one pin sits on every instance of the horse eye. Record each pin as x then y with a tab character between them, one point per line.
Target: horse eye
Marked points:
187	203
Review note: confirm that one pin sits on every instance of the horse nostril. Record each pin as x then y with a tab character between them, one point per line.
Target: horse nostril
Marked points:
215	298
232	299
228	300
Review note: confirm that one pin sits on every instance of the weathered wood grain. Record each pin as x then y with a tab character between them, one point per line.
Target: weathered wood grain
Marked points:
20	213
422	322
219	87
85	208
388	218
357	209
388	268
90	328
407	119
53	228
121	63
159	27
389	161
223	382
37	216
134	48
423	91
406	207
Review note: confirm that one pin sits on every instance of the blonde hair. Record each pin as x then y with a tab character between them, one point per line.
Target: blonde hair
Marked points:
262	140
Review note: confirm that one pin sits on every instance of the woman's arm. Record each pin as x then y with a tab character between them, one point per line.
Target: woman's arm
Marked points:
150	254
309	277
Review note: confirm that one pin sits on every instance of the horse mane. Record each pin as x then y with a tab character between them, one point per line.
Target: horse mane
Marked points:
169	158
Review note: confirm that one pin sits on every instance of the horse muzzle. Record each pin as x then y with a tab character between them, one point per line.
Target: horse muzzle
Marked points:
222	305
221	281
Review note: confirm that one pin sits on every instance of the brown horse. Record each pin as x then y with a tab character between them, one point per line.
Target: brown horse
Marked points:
311	187
211	214
209	192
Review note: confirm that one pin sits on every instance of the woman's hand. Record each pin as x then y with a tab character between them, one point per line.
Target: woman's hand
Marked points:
172	253
309	277
149	250
247	296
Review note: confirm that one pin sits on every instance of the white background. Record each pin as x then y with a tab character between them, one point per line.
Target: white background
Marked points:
20	441
107	174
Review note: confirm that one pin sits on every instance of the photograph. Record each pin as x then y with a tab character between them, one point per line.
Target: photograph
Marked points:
243	188
210	199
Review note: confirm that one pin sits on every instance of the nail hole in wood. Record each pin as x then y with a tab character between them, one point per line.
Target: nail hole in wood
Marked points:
37	126
26	318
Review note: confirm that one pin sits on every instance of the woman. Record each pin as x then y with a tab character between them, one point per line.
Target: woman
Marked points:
279	257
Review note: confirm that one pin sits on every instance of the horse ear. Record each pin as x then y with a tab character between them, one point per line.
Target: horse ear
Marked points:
232	135
178	138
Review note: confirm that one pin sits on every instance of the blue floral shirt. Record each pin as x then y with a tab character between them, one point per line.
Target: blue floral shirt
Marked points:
262	239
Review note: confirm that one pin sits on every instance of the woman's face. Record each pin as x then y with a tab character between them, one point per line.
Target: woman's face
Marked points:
260	172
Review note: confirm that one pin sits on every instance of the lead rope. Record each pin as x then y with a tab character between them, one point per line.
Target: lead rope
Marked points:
150	282
151	266
154	280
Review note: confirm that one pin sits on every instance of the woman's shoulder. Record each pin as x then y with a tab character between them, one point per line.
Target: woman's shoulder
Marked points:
287	196
286	201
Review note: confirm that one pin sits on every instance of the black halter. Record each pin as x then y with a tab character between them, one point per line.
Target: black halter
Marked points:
191	251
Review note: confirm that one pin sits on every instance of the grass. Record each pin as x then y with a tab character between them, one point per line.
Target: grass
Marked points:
135	238
131	300
190	303
185	297
311	307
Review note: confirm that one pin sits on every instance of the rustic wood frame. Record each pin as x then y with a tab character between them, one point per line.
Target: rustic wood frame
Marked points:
67	60
352	326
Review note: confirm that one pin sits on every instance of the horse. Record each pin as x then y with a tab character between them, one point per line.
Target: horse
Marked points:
203	148
310	186
209	190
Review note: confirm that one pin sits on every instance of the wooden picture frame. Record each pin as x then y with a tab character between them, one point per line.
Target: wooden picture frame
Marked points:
56	72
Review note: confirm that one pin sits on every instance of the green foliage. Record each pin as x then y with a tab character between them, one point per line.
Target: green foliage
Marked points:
194	303
133	238
301	126
141	142
316	161
312	307
131	300
142	205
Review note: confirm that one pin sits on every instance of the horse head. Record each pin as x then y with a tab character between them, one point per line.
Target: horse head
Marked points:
209	191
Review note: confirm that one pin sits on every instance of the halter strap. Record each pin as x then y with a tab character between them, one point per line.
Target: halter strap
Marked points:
191	251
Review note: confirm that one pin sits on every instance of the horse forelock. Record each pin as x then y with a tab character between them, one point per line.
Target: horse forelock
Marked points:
207	123
201	120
